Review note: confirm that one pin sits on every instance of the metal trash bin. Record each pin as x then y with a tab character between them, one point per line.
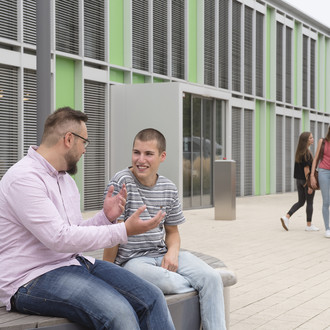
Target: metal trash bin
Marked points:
224	190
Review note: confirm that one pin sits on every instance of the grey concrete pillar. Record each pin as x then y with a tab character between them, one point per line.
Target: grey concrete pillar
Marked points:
43	65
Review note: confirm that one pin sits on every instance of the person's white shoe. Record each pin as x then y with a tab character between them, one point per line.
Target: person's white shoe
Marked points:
327	233
285	223
311	228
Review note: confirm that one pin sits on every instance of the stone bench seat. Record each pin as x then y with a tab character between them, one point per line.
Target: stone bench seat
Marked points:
184	308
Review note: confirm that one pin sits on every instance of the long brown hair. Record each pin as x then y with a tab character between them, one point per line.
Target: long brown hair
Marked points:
328	135
302	152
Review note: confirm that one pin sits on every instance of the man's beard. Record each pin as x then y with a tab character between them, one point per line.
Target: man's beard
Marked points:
72	164
73	170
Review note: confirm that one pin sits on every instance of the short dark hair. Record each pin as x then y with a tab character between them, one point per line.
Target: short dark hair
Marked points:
61	121
149	134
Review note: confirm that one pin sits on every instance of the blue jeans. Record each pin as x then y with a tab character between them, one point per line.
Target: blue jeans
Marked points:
193	274
99	296
324	180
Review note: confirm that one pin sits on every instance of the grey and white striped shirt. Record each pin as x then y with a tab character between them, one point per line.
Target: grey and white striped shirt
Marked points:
163	195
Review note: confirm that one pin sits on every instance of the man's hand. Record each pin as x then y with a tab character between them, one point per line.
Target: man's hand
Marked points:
170	261
114	206
134	225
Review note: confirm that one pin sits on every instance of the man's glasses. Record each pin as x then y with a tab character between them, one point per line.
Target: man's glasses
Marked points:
86	141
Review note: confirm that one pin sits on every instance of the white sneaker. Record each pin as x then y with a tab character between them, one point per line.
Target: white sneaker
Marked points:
285	223
311	228
327	233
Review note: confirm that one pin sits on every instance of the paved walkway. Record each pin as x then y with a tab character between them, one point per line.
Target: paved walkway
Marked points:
283	277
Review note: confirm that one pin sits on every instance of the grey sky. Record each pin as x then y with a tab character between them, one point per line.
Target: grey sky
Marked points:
318	9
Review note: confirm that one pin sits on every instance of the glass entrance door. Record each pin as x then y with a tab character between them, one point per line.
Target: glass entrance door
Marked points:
198	151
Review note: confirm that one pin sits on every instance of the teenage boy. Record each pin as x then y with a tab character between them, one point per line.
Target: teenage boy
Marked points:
155	255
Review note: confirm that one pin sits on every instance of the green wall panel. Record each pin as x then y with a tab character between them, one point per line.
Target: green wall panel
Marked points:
138	79
257	149
116	35
65	82
117	75
65	96
268	146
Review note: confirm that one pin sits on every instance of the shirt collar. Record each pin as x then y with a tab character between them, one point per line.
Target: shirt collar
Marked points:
32	152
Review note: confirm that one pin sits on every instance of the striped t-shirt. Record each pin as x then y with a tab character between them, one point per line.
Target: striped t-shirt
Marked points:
163	195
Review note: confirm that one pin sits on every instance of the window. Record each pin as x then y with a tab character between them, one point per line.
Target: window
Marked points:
209	42
236	47
279	61
305	72
8	19
178	38
288	65
160	36
30	109
94	159
9	151
223	44
67	26
140	35
30	21
260	54
248	38
94	29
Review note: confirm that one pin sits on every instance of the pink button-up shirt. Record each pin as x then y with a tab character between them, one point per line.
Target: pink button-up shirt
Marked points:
41	226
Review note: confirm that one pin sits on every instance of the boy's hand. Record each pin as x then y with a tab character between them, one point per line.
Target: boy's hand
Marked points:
170	262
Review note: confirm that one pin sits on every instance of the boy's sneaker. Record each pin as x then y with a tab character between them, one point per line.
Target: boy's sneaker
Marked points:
285	223
327	233
311	228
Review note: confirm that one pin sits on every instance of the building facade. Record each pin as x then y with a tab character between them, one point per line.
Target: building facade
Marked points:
234	79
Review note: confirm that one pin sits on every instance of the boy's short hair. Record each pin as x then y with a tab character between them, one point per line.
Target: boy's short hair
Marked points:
149	134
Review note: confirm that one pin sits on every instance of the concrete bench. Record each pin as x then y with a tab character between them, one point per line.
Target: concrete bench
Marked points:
184	308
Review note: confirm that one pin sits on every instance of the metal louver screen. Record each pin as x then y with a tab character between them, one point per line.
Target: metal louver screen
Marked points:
312	74
160	36
30	21
248	39
8	19
223	44
8	118
288	65
140	35
30	109
67	26
289	158
260	54
305	72
236	146
236	47
178	38
312	128
248	152
94	29
279	61
94	159
279	153
209	42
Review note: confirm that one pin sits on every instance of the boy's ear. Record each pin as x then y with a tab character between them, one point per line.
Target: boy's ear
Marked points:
163	156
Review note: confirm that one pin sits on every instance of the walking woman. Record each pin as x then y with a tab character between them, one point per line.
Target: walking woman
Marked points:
302	167
324	177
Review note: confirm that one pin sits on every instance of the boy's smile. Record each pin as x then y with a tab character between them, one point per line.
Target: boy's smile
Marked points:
146	160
